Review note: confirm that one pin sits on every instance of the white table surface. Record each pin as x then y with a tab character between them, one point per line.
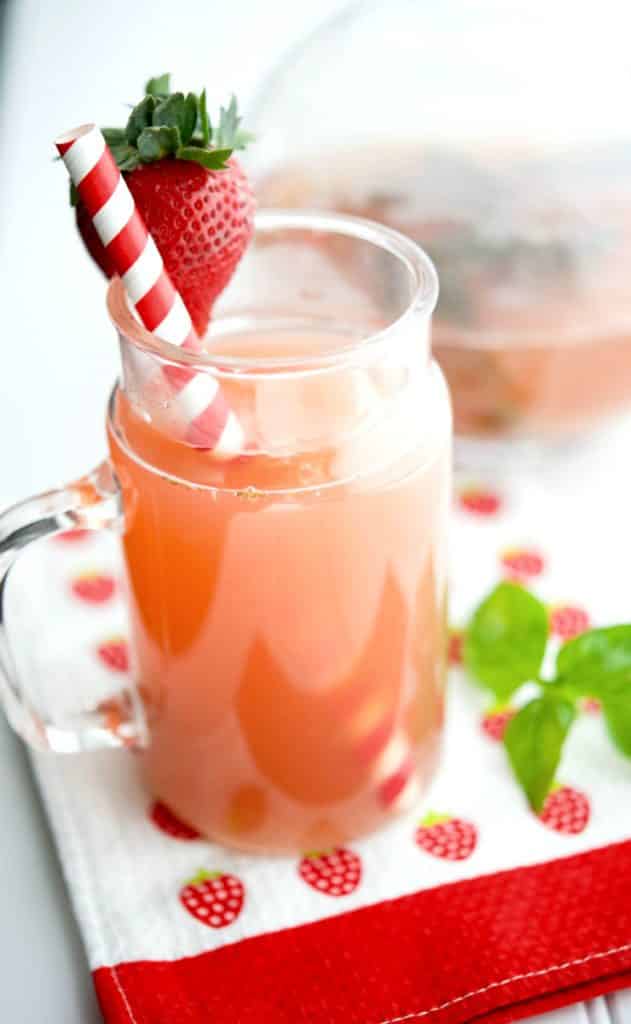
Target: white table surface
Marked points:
63	63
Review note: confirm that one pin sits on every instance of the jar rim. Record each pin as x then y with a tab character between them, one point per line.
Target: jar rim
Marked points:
422	302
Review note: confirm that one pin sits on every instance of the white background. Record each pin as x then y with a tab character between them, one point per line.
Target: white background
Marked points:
65	62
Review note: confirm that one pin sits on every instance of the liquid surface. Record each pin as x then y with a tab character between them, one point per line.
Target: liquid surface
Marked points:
288	634
533	326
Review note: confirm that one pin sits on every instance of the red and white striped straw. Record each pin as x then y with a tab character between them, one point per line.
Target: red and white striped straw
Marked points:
210	423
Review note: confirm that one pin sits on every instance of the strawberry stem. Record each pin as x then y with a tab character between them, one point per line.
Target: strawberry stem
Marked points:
434	818
172	125
203	876
499	709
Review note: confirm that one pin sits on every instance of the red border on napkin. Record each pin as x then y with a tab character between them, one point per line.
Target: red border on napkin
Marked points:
492	949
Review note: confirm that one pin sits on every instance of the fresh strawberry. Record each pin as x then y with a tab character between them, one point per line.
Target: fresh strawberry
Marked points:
566	810
591	705
479	501
193	194
69	536
494	722
454	647
521	563
213	898
334	873
567	621
166	821
446	837
93	587
114	653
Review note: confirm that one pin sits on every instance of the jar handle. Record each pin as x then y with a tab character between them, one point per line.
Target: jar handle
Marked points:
93	502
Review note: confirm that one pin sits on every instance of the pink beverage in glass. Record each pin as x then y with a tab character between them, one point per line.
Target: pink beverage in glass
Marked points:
287	605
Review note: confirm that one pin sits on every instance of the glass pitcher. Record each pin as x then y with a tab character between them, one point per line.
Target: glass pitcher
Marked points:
497	135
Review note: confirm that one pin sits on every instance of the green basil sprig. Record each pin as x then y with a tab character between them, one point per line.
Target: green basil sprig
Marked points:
504	648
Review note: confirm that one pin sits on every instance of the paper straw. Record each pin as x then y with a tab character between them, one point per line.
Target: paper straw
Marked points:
210	423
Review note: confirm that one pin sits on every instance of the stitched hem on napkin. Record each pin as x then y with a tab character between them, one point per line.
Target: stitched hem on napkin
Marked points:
491	949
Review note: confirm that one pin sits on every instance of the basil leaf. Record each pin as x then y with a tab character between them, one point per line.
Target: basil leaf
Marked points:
139	119
159	86
597	663
534	742
212	159
617	713
506	640
157	142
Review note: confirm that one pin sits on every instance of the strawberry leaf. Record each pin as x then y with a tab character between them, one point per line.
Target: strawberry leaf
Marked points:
177	111
157	142
506	640
114	136
243	139
203	122
166	124
190	118
159	86
127	158
139	119
211	159
228	134
534	742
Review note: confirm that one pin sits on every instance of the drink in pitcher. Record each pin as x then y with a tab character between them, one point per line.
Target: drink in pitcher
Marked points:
533	327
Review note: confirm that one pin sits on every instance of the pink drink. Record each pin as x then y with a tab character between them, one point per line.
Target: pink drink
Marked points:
288	610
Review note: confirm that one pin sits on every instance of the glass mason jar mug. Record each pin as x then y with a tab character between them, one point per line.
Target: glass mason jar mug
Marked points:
287	605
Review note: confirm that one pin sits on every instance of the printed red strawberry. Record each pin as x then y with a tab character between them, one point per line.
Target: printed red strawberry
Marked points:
591	705
93	587
213	898
167	822
566	810
70	536
522	563
191	191
446	837
495	720
334	872
479	501
454	646
567	621
114	653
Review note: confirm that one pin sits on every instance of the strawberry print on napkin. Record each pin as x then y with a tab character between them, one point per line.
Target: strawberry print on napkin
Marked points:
371	931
